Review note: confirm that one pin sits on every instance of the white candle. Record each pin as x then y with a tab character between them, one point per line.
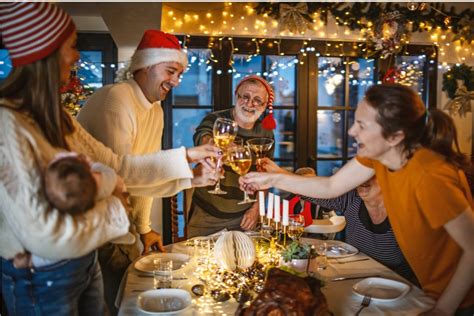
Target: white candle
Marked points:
270	206
286	212
277	209
261	202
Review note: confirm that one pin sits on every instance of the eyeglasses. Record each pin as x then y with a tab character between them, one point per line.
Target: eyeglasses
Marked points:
257	102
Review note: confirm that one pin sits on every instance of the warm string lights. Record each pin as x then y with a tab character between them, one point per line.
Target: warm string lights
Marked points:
221	285
242	19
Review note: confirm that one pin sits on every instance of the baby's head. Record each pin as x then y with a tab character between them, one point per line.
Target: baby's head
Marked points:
70	185
305	172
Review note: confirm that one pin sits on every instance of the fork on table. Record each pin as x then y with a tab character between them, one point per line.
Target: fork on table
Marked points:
364	304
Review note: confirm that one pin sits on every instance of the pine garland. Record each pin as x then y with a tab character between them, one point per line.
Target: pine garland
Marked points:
461	72
356	15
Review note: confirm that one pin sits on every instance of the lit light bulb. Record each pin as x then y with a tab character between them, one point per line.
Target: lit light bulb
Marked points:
412	6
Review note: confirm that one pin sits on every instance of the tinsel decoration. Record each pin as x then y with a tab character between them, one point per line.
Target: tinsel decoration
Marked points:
294	18
458	82
74	94
388	35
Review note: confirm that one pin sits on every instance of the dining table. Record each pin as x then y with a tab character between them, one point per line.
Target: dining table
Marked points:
338	279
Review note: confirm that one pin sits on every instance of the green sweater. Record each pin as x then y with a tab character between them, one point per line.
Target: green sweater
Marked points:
225	206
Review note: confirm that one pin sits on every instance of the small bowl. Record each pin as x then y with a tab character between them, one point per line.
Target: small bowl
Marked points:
164	301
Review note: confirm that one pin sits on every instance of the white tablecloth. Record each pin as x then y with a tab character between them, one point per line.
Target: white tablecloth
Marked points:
341	299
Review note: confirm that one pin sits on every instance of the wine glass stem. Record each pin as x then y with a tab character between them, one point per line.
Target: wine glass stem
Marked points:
246	196
218	183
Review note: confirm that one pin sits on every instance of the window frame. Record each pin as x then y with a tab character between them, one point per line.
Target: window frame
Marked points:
306	106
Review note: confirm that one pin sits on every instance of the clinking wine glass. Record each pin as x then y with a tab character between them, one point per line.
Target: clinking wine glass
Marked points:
260	146
295	226
238	141
224	132
240	160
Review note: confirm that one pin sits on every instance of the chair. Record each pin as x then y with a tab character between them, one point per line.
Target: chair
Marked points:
175	212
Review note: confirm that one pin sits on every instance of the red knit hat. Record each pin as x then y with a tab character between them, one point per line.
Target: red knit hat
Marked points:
157	47
268	121
33	30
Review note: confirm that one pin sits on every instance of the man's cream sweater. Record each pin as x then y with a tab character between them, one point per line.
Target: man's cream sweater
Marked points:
121	117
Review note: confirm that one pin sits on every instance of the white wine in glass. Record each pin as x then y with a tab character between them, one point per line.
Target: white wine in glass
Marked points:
296	227
260	146
224	133
240	160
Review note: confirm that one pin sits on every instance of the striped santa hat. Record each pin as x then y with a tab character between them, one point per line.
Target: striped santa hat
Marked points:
157	47
268	121
33	30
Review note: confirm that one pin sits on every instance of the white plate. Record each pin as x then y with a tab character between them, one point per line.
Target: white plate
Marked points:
380	289
164	301
335	248
326	226
145	264
339	249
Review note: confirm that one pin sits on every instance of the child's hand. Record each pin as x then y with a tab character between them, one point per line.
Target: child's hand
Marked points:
22	260
121	192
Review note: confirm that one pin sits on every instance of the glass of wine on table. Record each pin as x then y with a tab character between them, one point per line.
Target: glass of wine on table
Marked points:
295	226
224	133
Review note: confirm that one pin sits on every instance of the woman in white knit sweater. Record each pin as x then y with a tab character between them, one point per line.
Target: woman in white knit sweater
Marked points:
41	40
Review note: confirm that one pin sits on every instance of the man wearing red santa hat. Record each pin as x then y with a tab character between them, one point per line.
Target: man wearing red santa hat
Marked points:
210	212
128	118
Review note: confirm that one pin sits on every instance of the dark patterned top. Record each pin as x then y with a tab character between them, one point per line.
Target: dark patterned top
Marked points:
225	206
375	240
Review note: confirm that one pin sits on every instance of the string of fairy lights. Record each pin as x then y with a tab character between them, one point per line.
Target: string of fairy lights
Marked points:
232	18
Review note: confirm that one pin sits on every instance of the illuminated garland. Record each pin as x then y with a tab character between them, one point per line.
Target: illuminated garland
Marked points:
358	16
386	27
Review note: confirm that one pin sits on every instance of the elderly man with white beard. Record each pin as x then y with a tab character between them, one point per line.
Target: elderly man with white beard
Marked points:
209	212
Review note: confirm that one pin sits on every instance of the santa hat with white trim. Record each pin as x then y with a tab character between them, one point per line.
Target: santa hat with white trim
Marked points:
157	47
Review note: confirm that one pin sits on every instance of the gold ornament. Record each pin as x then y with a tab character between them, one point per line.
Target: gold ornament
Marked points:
412	6
292	17
461	103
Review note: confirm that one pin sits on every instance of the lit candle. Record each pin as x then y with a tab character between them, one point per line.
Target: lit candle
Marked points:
270	206
261	202
286	212
277	209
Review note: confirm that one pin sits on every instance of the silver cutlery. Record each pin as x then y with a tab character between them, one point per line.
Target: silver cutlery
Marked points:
364	304
151	276
349	261
355	277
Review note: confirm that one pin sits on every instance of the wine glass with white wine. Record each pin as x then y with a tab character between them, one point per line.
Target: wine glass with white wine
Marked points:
240	160
295	226
260	146
224	133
